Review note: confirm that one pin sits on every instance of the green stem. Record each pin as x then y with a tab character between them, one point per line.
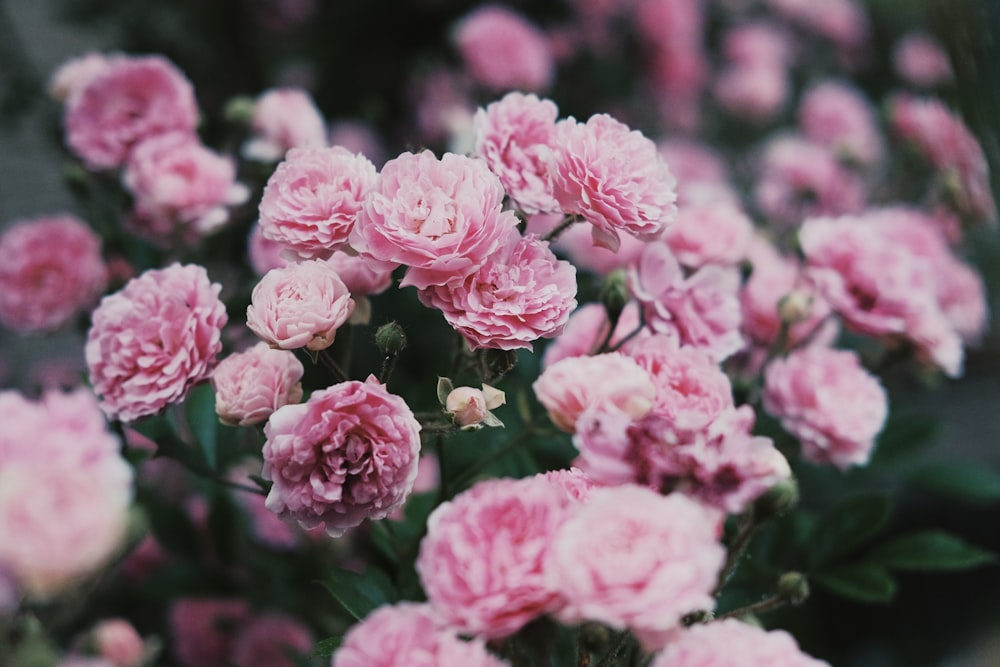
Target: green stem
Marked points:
745	530
560	228
768	604
616	650
631	334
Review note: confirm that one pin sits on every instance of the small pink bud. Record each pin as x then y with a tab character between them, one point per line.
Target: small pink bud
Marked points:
118	642
466	405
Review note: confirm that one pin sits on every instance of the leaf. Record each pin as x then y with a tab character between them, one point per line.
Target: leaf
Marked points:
929	551
360	593
847	526
326	647
200	411
903	437
961	481
864	582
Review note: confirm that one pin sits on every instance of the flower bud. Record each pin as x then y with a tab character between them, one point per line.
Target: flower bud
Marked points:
239	109
795	307
777	500
614	294
117	641
793	587
466	405
390	339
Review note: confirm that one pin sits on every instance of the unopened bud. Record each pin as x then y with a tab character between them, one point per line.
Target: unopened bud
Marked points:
777	500
240	109
793	587
614	293
795	307
390	339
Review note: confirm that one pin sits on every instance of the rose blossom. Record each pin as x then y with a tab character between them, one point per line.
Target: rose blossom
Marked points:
522	293
50	270
709	233
442	218
118	642
840	117
263	253
76	73
481	562
250	385
300	305
202	630
577	243
348	454
614	178
587	328
267	641
152	341
515	136
283	118
409	633
570	386
362	275
921	61
311	201
133	99
502	50
636	560
732	643
756	92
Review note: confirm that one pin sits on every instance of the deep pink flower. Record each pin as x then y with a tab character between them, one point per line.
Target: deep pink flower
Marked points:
522	293
250	385
347	454
51	269
614	178
515	136
300	305
284	118
636	560
202	630
135	98
732	643
442	218
311	201
840	117
921	61
269	640
152	341
503	50
709	233
587	328
481	562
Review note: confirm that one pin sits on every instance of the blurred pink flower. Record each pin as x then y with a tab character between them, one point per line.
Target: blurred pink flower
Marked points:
117	641
283	118
729	643
263	253
270	640
709	233
587	328
76	74
358	137
840	117
921	61
756	92
503	50
202	630
250	385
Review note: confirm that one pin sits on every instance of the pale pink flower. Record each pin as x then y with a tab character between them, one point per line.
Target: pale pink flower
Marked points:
300	305
362	275
826	399
284	118
733	643
587	328
411	634
571	385
843	22
311	201
755	92
522	293
180	188
202	630
263	253
118	642
481	562
270	640
701	310
76	73
574	482
577	243
515	136
921	61
347	454
614	178
503	50
636	560
51	269
840	117
152	341
469	406
442	218
690	160
358	137
709	233
135	98
250	385
758	43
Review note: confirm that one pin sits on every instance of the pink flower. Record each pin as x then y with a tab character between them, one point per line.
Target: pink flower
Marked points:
263	253
571	385
76	73
522	293
756	92
250	385
358	137
692	161
921	61
614	178
701	310
135	98
577	243
269	640
118	642
470	407
300	305
709	233
636	560
362	275
284	118
311	201
732	643
152	341
758	43
202	630
481	562
826	399
587	328
843	22
408	633
515	136
442	218
50	270
348	454
180	188
502	50
841	118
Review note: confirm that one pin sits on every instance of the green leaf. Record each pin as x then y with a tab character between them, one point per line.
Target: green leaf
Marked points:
864	582
360	593
961	481
326	647
200	411
929	551
848	526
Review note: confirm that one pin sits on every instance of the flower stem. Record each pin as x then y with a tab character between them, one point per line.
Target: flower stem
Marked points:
767	604
560	228
745	530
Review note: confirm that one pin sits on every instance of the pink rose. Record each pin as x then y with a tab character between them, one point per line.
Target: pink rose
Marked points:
921	61
756	92
202	630
490	583
522	293
636	560
571	385
135	98
841	118
263	253
348	454
300	305
118	642
843	22
515	136
269	640
311	201
76	74
577	243
732	643
442	218
284	118
408	633
614	178
152	341
709	233
587	328
502	50
51	269
250	385
761	42
362	275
